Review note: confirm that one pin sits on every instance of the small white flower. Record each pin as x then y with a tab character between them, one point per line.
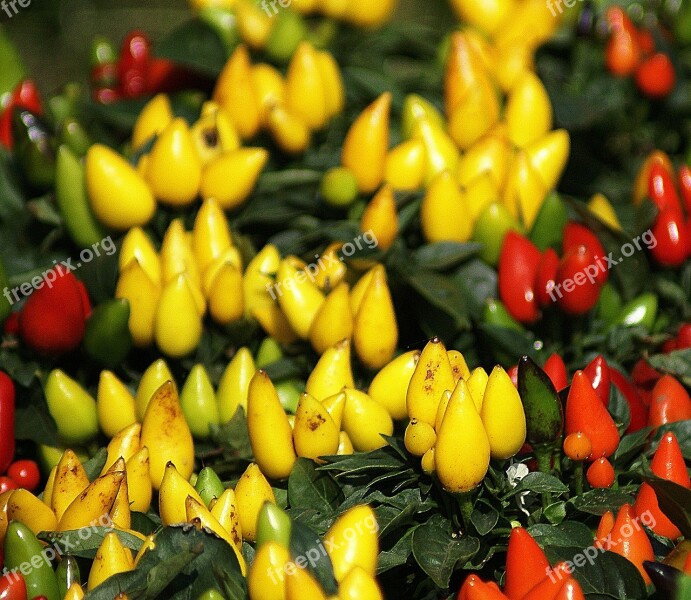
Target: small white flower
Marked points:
514	474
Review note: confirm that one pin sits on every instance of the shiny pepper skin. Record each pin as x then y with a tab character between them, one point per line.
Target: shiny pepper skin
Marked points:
668	463
7	403
526	564
585	413
669	402
518	266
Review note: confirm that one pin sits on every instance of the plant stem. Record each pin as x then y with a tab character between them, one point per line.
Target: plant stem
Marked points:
465	503
544	464
579	477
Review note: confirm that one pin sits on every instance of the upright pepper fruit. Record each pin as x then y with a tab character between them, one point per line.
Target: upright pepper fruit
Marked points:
107	337
598	372
518	265
543	410
25	95
669	402
21	546
7	399
526	564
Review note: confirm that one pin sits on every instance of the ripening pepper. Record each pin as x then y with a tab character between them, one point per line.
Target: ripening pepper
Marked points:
640	311
668	463
598	372
251	492
518	264
669	402
549	223
67	573
198	402
366	144
524	191
24	96
72	407
502	415
119	196
19	548
543	410
107	337
585	413
209	485
526	564
462	449
491	228
273	525
7	404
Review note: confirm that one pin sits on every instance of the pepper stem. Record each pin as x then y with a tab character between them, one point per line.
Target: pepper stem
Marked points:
579	477
465	504
543	454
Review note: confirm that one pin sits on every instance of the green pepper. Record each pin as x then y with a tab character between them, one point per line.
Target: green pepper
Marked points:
25	554
269	352
543	410
33	144
107	337
12	69
5	304
65	105
495	313
287	32
67	573
224	24
642	310
609	304
273	525
491	227
74	135
211	594
73	202
102	52
549	223
289	391
209	485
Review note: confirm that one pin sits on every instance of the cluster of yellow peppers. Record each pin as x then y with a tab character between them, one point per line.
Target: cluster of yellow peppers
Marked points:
257	97
255	19
351	544
459	419
182	164
171	290
332	416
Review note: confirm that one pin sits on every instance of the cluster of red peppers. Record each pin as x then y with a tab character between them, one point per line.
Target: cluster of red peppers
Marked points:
632	51
134	72
25	95
530	280
672	226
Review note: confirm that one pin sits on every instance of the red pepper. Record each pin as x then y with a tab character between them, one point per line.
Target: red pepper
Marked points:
622	53
556	371
549	587
518	265
7	483
687	564
604	529
661	188
597	371
25	95
133	65
585	413
601	474
630	540
11	325
13	587
474	588
637	410
685	186
7	401
669	402
646	41
576	235
684	336
668	463
672	237
571	590
655	76
526	564
577	289
546	277
52	321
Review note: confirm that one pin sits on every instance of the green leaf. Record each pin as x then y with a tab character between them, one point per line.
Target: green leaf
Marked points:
438	549
95	464
442	294
32	421
568	533
598	502
85	541
677	363
398	554
442	256
11	197
632	445
602	575
484	522
477	281
365	463
674	501
539	483
234	434
619	408
184	563
309	552
196	45
509	341
309	488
